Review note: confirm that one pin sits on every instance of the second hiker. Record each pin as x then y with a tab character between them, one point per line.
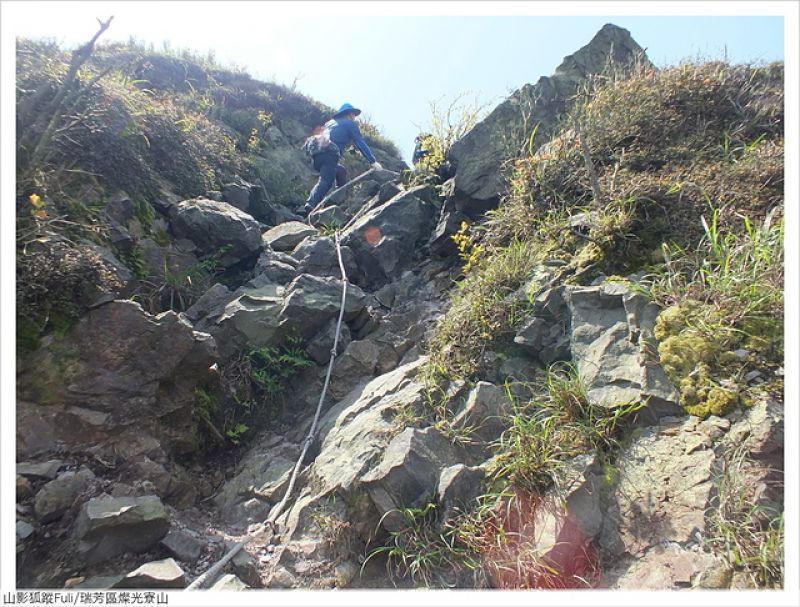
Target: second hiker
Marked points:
341	130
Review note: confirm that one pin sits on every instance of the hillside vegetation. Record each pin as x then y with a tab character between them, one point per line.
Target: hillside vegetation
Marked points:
123	119
551	356
667	181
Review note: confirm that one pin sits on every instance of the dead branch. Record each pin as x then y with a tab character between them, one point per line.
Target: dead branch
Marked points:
79	57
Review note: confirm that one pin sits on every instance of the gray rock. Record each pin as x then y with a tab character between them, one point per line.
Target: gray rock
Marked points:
277	268
24	530
546	333
355	193
480	154
664	489
57	496
319	347
156	574
311	301
317	256
110	526
331	216
276	214
386	295
611	336
213	225
229	583
385	239
246	567
173	262
237	194
182	546
357	430
213	300
101	380
254	313
356	364
46	470
516	369
668	567
408	475
286	236
388	191
487	412
441	241
458	487
265	472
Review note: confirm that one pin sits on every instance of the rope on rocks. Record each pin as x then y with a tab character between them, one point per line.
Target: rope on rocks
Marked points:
211	574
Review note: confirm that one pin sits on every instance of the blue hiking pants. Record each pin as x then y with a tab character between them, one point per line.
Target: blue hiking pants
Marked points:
329	171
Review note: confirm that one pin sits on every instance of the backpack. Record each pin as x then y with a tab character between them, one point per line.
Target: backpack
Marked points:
317	144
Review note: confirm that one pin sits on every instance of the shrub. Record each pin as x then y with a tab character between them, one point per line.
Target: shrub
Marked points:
255	380
56	281
724	314
447	124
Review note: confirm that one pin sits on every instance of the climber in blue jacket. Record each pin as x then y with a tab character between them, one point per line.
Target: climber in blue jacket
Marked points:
342	130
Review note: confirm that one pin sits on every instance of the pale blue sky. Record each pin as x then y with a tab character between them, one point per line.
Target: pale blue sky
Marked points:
393	66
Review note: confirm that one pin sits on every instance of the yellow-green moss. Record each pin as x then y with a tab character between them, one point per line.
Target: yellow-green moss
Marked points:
674	319
702	397
696	352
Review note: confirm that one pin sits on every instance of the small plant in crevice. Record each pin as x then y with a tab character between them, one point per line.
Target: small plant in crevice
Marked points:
559	425
432	555
747	532
255	382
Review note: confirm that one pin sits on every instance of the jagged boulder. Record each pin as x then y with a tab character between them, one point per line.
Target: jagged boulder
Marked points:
264	313
275	267
458	487
317	255
311	301
217	226
319	347
286	236
486	412
210	303
449	223
182	545
247	197
356	192
57	496
155	574
40	471
99	381
251	316
385	239
174	259
408	475
259	481
229	583
545	334
358	428
612	339
480	154
110	526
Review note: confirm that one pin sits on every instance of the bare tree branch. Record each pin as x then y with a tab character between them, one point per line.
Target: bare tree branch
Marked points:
79	57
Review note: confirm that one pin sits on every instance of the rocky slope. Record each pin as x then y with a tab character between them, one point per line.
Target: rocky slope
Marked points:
127	478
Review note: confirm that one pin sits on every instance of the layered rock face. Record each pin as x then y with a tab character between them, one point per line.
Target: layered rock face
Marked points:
480	154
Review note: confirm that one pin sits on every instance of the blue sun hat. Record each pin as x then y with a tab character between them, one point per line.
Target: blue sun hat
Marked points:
347	108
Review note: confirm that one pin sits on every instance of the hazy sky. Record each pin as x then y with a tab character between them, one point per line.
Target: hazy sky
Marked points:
393	66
